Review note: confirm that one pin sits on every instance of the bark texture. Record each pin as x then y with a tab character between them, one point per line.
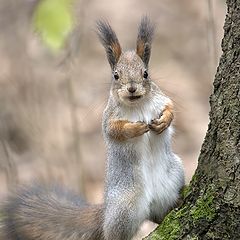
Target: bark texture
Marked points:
211	206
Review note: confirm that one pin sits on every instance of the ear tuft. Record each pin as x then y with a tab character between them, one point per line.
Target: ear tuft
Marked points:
144	39
110	42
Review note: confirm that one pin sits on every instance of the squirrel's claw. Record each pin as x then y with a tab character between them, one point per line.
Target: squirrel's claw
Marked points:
159	125
158	128
135	129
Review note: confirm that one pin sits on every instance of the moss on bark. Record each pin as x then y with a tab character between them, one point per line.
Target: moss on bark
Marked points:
172	227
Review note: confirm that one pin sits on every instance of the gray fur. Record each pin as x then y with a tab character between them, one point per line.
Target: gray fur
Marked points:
121	220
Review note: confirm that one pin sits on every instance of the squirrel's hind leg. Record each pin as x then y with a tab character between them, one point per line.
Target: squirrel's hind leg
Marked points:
123	217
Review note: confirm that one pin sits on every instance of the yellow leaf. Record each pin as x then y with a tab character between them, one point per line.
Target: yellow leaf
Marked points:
53	20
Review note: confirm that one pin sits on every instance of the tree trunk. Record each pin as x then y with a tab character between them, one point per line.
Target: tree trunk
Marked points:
211	206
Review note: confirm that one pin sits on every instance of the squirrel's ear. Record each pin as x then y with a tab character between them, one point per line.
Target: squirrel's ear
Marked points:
110	42
144	39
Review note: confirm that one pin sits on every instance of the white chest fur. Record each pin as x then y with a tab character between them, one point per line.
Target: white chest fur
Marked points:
160	183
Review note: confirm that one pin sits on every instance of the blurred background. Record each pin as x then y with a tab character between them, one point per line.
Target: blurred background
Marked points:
55	80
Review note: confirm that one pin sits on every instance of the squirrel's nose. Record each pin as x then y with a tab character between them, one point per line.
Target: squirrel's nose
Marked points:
132	89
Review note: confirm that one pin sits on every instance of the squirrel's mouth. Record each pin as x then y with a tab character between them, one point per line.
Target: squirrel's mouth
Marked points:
133	98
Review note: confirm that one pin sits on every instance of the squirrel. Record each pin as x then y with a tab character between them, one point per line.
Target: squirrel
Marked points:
143	175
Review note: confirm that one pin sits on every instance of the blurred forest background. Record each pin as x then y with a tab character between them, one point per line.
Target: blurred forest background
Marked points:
55	80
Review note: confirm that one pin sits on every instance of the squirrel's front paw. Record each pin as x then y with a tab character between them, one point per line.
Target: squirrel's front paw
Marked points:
159	125
135	129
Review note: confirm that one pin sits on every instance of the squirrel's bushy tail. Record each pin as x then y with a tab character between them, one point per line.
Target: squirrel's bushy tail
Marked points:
50	214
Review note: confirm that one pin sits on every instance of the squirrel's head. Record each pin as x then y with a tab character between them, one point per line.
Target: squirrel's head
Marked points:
130	78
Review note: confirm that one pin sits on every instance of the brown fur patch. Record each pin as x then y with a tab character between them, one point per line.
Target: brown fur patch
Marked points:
140	48
168	113
117	50
123	129
116	129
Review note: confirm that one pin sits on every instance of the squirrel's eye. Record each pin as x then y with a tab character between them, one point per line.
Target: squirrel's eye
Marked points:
145	74
116	76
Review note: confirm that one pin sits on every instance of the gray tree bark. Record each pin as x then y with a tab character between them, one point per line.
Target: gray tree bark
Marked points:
211	206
